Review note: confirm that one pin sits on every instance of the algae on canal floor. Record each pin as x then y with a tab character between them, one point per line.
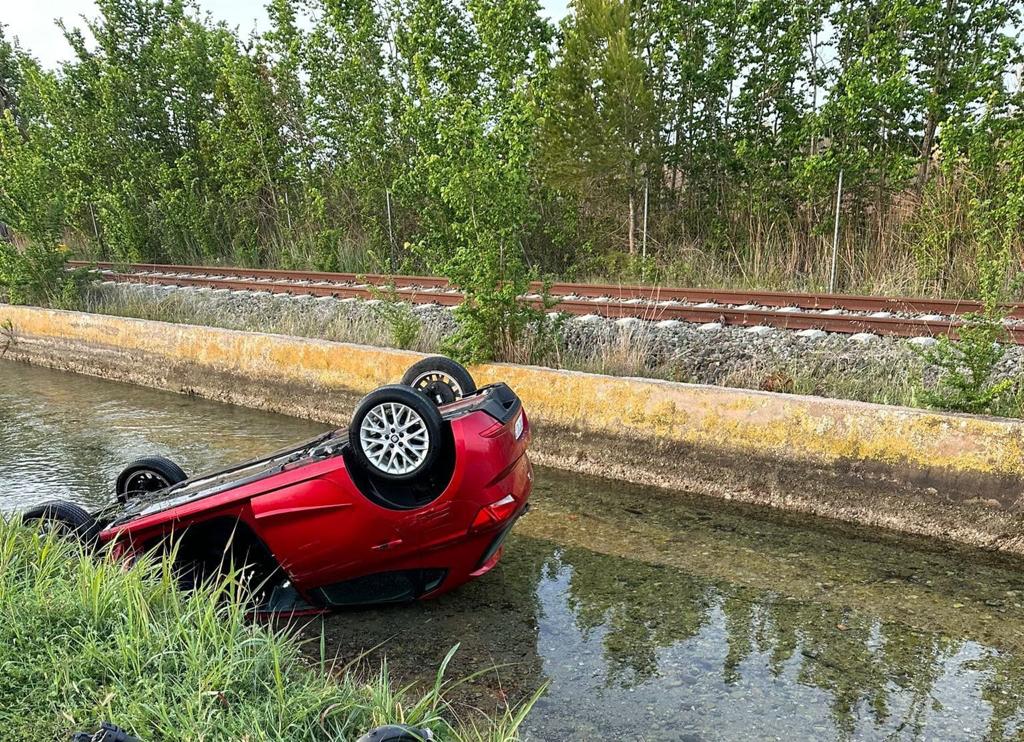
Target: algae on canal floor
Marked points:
652	616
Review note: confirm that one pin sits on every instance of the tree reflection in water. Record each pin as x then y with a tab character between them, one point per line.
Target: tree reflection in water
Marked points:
879	679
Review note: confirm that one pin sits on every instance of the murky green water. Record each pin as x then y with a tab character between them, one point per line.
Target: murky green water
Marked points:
651	616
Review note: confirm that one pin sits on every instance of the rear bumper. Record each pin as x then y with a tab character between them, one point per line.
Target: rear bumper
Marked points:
496	548
479	553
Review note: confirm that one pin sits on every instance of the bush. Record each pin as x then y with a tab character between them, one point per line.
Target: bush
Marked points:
39	275
966	365
492	323
85	639
397	314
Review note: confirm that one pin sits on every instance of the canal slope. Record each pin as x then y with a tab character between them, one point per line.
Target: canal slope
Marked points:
954	477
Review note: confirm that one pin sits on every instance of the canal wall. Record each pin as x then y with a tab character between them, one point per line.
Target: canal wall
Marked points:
954	477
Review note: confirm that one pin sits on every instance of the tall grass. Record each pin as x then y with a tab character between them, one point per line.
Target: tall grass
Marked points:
85	639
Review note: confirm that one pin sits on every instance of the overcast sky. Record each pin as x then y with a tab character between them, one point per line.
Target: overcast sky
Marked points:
33	22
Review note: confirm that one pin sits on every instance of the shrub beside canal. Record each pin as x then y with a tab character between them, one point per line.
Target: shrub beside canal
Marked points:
85	639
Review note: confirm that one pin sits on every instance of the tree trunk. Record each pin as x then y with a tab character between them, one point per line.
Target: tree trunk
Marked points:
938	89
926	153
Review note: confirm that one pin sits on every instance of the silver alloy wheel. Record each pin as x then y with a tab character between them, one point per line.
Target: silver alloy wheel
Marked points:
426	380
394	438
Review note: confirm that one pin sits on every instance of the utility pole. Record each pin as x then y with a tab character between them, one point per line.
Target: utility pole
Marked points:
391	234
835	238
643	240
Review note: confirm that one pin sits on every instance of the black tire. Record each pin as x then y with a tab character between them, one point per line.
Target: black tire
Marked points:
146	475
66	518
411	455
440	378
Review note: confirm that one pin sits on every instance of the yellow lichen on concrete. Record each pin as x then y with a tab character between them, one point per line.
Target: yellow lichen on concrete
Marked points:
770	424
740	421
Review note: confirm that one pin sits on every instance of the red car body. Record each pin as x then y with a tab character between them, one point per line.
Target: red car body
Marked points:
341	539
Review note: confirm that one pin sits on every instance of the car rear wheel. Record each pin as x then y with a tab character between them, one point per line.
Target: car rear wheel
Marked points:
396	433
440	378
146	475
63	518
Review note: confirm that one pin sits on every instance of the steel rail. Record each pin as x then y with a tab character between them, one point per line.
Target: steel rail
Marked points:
819	302
372	279
611	308
625	292
413	295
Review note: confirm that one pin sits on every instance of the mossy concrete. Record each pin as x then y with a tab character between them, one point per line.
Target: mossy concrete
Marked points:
958	477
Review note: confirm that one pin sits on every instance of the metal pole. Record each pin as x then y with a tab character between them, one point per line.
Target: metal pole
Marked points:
835	237
643	240
391	233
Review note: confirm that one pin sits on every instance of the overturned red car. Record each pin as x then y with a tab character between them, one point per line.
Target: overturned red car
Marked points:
415	498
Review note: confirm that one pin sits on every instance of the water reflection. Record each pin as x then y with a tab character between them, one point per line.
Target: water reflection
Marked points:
635	651
644	652
67	436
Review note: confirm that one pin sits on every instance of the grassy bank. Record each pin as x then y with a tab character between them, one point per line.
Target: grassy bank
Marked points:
84	639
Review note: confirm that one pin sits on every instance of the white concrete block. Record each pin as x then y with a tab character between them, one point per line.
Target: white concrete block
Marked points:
812	334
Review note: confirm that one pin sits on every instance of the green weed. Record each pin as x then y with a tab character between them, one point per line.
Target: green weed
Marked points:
84	638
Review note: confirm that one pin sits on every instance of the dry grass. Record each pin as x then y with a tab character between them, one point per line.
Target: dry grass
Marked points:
827	374
633	351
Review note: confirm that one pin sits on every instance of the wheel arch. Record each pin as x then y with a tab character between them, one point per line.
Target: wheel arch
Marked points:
229	535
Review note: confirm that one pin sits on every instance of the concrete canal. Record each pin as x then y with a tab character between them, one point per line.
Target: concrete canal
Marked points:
650	615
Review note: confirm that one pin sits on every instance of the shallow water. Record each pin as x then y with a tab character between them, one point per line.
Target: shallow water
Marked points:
649	615
68	436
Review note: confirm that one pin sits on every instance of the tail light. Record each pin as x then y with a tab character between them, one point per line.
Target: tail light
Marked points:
494	513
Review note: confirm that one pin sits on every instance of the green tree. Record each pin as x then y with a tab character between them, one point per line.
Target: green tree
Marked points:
353	98
476	136
11	76
711	132
600	119
867	115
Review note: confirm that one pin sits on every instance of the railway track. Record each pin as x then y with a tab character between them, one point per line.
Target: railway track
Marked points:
840	313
